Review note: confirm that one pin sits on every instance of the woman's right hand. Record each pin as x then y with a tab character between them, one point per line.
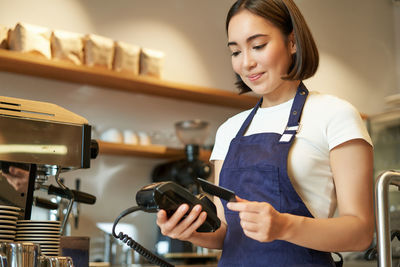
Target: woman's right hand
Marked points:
177	228
17	178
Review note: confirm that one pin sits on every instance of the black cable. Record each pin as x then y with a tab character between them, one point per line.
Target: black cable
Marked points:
134	245
372	253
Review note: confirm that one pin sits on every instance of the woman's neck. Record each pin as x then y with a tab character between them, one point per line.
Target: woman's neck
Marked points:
280	95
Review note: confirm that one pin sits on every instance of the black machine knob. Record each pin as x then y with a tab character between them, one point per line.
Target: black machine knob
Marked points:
94	149
78	196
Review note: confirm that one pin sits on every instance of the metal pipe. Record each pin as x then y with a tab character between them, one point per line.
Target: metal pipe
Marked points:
71	199
382	215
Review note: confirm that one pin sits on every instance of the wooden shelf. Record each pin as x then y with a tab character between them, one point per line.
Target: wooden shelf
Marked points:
151	151
35	65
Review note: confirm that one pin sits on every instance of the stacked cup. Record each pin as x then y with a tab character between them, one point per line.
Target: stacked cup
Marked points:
8	220
45	233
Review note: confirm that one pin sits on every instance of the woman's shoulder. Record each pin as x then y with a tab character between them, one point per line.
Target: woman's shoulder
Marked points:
225	133
338	118
328	104
324	98
235	121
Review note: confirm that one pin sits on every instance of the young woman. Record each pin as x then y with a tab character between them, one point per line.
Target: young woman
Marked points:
292	160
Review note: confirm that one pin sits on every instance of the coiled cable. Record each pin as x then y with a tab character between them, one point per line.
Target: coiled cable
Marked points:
372	253
134	245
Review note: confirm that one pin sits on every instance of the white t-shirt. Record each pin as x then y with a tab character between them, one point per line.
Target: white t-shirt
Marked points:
326	122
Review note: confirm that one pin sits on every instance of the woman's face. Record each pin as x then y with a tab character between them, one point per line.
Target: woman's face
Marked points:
260	53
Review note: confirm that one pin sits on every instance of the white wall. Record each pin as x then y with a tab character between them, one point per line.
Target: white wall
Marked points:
356	43
357	48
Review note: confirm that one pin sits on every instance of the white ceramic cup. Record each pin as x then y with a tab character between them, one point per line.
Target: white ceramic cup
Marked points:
144	139
130	137
112	135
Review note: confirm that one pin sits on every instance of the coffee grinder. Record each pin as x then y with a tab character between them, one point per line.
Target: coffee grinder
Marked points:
192	133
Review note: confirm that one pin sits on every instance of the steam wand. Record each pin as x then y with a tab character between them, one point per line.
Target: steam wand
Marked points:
70	196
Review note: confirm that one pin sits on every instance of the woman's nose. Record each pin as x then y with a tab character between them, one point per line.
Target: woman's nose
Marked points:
248	61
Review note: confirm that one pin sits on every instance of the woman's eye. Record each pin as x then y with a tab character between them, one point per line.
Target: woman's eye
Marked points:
235	53
257	47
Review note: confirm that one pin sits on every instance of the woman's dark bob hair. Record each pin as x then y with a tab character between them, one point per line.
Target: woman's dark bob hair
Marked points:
285	15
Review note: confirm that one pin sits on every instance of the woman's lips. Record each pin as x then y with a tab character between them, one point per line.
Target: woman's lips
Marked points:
254	77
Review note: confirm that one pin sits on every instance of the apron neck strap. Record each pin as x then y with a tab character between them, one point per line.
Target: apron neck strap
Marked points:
294	118
249	118
298	105
293	125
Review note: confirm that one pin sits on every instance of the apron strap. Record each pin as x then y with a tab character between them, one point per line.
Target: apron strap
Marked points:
293	126
248	120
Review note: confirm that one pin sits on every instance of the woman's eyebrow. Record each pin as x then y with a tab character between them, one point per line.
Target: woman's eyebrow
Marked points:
249	39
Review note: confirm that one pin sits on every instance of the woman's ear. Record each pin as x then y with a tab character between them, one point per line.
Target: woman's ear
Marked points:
292	43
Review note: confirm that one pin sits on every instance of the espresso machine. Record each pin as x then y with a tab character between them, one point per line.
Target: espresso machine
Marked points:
41	140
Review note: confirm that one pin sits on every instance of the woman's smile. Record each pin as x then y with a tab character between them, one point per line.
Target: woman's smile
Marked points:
255	77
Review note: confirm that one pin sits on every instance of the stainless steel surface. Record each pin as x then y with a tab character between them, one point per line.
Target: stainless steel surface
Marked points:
3	260
58	261
41	142
382	214
42	133
70	203
20	254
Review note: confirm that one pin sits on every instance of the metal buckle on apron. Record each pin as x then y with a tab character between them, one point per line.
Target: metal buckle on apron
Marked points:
289	132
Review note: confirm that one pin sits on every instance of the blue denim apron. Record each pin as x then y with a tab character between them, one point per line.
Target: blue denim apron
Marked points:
256	169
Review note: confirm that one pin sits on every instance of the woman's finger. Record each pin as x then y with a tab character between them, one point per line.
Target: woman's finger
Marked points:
169	224
194	226
188	221
249	216
238	199
249	226
161	217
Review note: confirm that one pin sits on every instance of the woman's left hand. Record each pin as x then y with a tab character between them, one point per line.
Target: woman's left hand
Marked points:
259	220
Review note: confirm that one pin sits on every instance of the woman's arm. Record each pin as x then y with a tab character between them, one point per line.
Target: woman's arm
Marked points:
185	230
352	165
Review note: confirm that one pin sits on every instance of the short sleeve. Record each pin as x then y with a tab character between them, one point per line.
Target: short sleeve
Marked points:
221	144
225	133
346	124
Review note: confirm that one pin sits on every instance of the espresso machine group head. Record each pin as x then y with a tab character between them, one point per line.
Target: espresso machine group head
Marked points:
43	139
